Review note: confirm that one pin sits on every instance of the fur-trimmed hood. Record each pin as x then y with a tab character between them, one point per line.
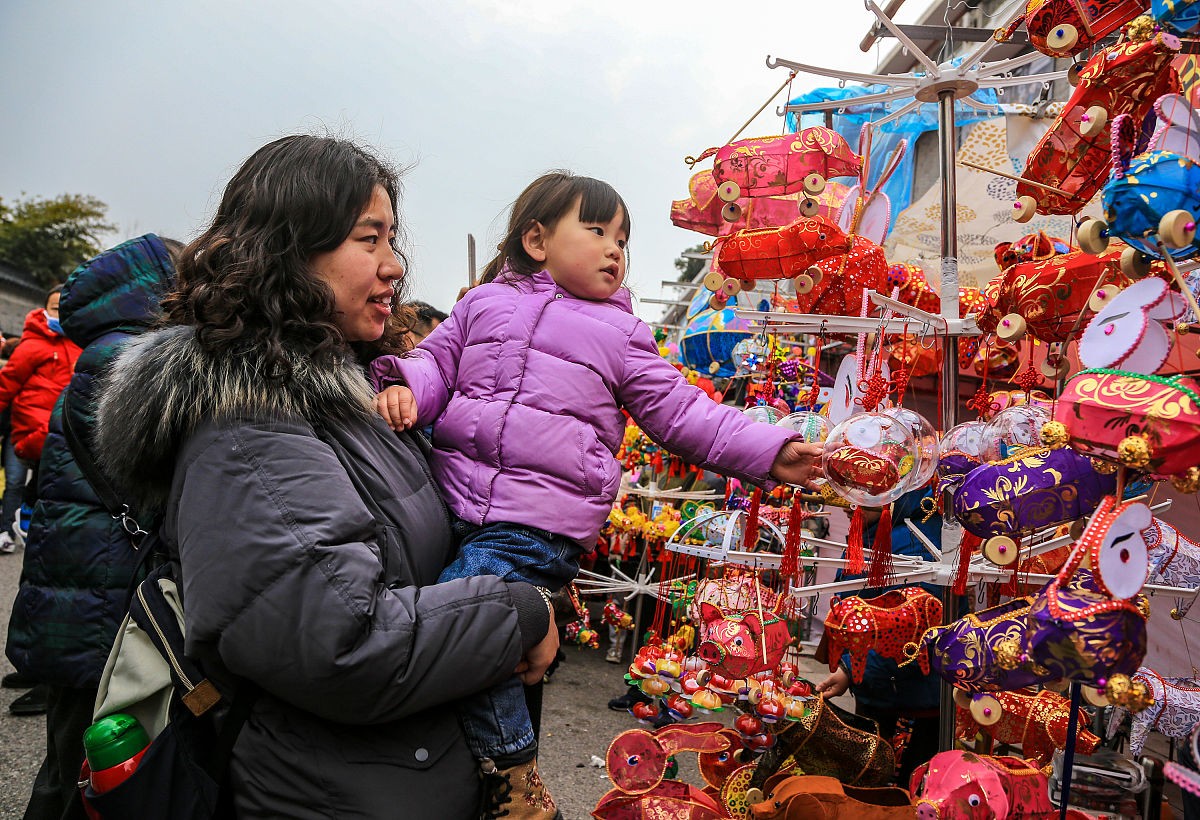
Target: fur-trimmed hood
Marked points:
164	385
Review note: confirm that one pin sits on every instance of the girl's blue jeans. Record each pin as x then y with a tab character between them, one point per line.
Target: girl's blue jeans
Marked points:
496	722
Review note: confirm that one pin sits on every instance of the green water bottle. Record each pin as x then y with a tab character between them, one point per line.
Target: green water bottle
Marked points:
114	746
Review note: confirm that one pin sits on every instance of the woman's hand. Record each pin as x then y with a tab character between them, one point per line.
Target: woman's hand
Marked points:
798	463
535	663
834	685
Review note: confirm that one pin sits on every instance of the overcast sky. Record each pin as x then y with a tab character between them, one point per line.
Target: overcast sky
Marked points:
151	106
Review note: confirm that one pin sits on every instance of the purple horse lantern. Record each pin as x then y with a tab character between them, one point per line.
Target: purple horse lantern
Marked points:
1001	500
982	651
1037	490
1078	633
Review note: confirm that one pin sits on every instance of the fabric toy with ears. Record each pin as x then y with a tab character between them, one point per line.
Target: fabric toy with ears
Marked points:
867	211
637	766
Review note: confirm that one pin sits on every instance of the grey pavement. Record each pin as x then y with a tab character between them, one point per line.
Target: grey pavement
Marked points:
22	739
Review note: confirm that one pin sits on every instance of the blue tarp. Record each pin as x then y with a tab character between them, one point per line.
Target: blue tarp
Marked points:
849	121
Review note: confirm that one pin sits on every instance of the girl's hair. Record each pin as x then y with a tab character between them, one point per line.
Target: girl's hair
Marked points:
52	291
548	199
247	283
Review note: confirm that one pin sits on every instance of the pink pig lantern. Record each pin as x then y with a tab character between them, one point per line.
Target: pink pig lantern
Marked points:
742	643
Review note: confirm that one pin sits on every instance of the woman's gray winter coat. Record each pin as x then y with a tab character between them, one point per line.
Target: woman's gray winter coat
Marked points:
290	581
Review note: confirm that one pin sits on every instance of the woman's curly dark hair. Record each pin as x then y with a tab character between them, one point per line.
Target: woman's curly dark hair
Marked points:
247	284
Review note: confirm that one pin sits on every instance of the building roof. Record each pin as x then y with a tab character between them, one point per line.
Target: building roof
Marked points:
17	280
896	61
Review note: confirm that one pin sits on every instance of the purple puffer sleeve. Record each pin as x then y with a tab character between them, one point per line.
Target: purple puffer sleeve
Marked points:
430	371
681	418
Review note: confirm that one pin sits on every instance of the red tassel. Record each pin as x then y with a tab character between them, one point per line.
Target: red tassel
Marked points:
854	544
970	542
1011	586
789	564
751	537
881	571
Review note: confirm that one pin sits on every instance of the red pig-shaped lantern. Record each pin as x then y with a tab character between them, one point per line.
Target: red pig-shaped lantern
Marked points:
740	644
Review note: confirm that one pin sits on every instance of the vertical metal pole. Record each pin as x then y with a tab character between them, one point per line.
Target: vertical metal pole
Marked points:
949	406
949	289
1069	751
471	261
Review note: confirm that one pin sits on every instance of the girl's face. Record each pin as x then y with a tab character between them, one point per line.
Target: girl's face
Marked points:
362	272
586	259
52	304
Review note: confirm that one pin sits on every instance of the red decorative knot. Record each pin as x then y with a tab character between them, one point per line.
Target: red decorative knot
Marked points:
1028	379
981	402
875	390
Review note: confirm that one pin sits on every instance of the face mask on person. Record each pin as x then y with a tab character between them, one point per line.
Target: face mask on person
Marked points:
53	322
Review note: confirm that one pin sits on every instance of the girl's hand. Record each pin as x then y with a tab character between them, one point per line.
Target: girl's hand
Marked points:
798	463
834	685
398	407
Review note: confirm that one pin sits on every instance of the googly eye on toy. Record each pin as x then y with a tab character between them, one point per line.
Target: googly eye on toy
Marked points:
1114	542
1127	333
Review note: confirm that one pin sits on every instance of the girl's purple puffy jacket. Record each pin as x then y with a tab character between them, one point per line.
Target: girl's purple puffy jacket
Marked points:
524	384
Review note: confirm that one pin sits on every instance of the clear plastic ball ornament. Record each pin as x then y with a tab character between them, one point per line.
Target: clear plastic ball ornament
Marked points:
964	439
782	406
763	413
927	444
812	426
868	459
1012	430
748	347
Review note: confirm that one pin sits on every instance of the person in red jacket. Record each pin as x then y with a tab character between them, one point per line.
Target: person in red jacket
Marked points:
30	383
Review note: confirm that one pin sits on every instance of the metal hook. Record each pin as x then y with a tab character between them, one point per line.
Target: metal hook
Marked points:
925	336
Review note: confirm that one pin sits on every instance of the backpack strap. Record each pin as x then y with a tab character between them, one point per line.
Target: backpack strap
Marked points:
95	476
151	610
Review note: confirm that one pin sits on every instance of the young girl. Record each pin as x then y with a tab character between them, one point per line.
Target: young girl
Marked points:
524	384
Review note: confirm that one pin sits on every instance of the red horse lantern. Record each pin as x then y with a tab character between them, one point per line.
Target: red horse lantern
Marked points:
886	624
1074	155
1061	28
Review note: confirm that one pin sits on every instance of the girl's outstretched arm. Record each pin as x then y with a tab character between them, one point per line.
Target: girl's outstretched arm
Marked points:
683	419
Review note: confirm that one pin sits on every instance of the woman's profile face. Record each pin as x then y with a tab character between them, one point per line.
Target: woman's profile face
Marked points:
362	271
